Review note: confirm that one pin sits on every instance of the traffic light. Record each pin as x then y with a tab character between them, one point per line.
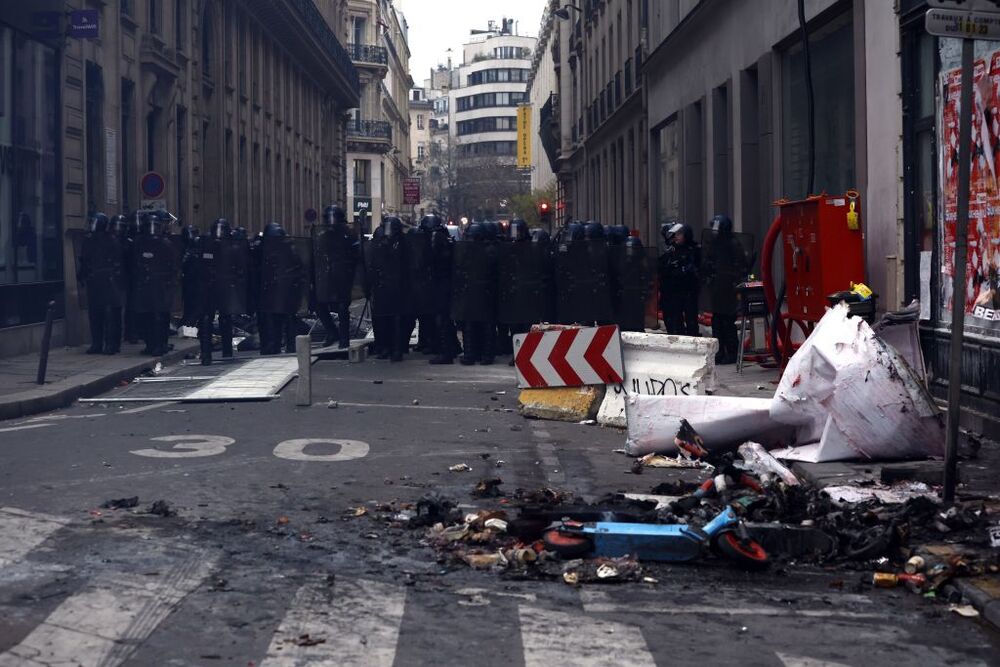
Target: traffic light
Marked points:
545	212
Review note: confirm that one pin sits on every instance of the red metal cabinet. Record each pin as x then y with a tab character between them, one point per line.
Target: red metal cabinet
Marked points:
822	253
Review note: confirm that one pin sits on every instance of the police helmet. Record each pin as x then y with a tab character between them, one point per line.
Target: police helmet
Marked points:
99	223
240	233
721	224
617	234
519	230
593	231
190	234
274	230
333	214
475	232
539	235
574	231
221	229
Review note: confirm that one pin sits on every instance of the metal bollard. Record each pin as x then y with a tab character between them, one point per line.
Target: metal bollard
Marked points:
303	390
43	354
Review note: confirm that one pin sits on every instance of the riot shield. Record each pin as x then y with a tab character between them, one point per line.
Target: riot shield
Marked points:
154	269
524	283
442	260
284	262
474	282
197	281
388	285
334	260
582	285
726	261
103	260
630	285
419	272
232	270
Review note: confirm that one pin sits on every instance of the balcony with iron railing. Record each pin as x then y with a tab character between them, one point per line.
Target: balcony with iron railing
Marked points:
628	77
370	54
378	131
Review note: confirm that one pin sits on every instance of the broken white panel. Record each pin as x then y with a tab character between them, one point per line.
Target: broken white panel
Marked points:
256	379
659	364
721	421
870	403
891	495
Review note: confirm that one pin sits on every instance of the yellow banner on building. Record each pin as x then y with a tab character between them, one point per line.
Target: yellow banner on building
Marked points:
524	136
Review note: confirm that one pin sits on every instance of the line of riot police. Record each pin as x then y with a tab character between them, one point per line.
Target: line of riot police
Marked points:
492	283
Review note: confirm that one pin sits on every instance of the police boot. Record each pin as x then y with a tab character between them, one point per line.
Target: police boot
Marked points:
344	327
323	313
113	331
226	332
488	344
205	339
444	333
397	332
471	342
97	315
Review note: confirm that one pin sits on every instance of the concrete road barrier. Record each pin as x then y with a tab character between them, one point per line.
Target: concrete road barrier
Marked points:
571	404
660	364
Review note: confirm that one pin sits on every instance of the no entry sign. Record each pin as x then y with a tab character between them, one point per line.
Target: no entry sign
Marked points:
571	357
152	185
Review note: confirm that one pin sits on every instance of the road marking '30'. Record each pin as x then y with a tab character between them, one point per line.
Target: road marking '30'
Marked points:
193	446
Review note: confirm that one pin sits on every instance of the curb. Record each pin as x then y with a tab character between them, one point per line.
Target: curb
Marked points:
987	605
84	385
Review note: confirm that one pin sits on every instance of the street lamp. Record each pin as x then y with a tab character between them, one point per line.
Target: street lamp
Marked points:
563	12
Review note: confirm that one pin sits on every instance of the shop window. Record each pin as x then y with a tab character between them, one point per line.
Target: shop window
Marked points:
30	192
832	51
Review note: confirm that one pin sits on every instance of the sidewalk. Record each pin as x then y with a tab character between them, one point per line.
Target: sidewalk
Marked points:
72	374
978	466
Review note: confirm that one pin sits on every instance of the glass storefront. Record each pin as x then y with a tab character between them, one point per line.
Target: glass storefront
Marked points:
31	269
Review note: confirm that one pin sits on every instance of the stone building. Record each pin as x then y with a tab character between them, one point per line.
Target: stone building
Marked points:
543	95
240	105
421	140
378	132
487	87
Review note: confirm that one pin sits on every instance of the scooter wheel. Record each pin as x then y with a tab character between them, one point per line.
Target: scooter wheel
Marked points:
567	546
747	554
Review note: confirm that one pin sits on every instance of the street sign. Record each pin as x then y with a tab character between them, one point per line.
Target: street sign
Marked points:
571	357
311	215
966	5
84	24
956	23
363	204
152	185
411	190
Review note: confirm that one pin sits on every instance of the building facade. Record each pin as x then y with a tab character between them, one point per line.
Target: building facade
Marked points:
378	132
421	138
543	96
240	105
487	88
598	49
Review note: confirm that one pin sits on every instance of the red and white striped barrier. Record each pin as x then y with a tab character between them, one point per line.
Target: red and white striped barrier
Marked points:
571	357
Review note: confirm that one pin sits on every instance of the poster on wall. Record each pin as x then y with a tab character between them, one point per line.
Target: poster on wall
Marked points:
980	299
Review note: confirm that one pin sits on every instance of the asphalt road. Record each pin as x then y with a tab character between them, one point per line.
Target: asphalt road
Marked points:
263	564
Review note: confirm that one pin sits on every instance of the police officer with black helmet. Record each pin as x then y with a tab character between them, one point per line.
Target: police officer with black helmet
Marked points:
335	256
679	268
474	291
388	288
154	267
280	272
102	272
442	256
726	265
191	279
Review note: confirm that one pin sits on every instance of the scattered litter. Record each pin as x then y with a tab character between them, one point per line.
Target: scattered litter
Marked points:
460	467
306	640
357	511
761	463
661	461
994	534
500	463
120	503
891	495
889	580
501	393
333	405
416	401
282	521
496	524
158	368
588	422
376	381
966	610
161	508
488	488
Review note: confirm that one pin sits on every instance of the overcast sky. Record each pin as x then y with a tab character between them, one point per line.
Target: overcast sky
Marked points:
437	25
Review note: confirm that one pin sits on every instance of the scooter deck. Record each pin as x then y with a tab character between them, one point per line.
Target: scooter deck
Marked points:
645	541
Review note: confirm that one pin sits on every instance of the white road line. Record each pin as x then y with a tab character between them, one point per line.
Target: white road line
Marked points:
143	408
45	418
408	407
104	623
21	531
25	427
800	661
358	622
559	638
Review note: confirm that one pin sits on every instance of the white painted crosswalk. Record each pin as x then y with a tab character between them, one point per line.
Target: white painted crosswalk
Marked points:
111	607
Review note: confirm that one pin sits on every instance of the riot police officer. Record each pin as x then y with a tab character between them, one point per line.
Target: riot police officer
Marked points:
726	266
223	271
582	282
281	272
419	298
102	273
679	284
154	267
335	256
524	285
442	255
474	294
191	281
629	278
388	288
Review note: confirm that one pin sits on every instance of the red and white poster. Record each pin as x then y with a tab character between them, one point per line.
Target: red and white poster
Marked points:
981	296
